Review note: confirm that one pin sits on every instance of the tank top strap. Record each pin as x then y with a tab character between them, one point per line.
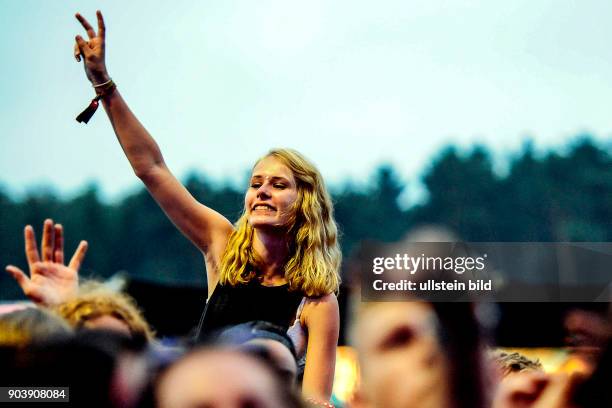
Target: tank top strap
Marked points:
298	313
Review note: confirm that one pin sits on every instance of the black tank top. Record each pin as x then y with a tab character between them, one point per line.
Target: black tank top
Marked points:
232	305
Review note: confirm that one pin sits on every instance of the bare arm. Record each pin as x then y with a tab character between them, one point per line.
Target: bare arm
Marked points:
206	228
322	320
202	225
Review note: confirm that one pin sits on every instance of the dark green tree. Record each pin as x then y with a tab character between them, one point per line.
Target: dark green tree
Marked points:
463	195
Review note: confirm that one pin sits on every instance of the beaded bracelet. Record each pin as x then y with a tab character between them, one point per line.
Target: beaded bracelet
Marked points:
318	403
102	90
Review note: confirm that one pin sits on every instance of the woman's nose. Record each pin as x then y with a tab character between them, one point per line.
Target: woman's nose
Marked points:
263	191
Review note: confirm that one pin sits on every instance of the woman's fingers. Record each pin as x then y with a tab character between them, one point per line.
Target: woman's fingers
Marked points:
30	245
83	49
81	44
58	247
79	255
101	26
90	31
77	52
47	241
21	278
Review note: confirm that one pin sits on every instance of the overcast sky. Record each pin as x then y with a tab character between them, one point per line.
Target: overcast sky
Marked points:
349	83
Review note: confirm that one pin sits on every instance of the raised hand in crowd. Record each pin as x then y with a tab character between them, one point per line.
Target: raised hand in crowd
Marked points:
51	281
92	51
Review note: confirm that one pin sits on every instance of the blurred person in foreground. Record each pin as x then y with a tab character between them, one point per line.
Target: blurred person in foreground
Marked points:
588	328
268	342
414	352
418	354
596	390
98	307
31	325
282	252
100	368
586	385
536	390
223	378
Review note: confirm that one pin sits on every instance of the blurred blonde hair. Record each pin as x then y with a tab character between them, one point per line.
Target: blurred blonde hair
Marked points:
95	300
314	254
23	327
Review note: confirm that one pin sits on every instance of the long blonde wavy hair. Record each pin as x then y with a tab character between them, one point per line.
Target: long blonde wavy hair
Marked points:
314	255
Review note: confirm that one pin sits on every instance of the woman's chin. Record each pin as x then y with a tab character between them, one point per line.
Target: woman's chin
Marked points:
267	224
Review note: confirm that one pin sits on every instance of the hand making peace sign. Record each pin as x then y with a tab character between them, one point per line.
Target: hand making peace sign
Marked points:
92	50
50	281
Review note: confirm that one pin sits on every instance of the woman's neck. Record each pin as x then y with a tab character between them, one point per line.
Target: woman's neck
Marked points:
271	247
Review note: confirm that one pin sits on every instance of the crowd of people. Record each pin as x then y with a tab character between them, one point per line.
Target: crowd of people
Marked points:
96	341
269	333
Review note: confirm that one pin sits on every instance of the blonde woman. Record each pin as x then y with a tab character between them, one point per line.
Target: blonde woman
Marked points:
278	263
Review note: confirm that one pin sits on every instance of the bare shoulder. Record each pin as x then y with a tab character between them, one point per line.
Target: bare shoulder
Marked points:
321	310
325	301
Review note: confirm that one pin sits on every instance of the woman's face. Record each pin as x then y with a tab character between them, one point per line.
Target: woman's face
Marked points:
271	194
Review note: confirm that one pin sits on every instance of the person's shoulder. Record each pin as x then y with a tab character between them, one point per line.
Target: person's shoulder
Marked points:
325	306
327	299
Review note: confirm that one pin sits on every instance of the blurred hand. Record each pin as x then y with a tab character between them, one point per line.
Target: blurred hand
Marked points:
50	281
92	51
536	390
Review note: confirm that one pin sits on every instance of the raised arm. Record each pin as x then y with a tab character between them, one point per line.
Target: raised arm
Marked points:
206	228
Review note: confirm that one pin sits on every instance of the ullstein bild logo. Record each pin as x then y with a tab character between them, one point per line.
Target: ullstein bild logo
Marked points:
433	285
505	272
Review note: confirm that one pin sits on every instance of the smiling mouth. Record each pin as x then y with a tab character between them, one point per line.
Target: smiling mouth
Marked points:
263	207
